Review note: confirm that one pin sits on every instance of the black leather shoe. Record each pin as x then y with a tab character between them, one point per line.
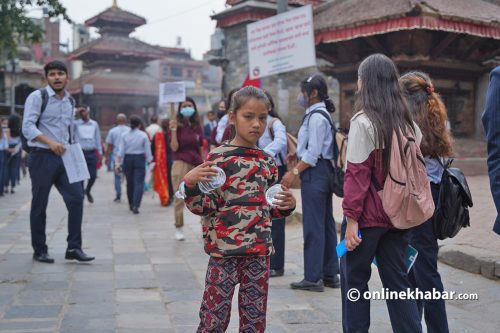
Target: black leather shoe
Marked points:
44	257
90	198
117	199
77	254
135	210
130	207
332	282
308	285
276	272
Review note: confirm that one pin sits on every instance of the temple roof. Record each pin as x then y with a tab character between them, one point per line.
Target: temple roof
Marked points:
118	45
479	17
114	15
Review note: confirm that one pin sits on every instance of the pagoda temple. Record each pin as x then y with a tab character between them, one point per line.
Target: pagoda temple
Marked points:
457	42
114	65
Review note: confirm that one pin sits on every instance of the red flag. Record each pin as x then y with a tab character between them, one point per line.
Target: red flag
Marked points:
254	83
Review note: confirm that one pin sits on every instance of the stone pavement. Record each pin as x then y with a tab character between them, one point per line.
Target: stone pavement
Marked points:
143	281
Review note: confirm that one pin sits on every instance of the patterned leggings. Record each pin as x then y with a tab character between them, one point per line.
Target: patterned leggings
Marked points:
223	274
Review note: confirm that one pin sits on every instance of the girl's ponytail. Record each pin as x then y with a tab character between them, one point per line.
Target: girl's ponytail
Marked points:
330	107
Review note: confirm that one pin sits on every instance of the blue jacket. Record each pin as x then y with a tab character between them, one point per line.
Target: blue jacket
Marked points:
491	123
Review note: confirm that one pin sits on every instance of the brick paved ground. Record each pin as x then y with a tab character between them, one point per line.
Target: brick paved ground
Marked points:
144	281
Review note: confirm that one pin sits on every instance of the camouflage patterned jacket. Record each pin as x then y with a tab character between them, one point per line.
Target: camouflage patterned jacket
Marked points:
238	218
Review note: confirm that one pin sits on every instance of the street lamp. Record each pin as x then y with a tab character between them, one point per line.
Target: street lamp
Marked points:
13	67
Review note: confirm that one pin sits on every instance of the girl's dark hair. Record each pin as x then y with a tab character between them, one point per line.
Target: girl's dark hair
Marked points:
14	124
317	82
382	99
230	98
272	111
429	113
135	122
242	96
194	120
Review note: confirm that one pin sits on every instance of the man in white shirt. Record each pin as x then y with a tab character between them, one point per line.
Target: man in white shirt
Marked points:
113	141
153	127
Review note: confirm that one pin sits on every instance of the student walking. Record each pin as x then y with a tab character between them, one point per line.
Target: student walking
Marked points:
113	141
273	142
162	154
47	134
89	137
13	154
4	145
237	230
429	113
315	150
186	140
134	152
381	110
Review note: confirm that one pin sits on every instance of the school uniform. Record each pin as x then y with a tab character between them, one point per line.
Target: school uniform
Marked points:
379	238
3	151
424	274
315	147
89	137
12	163
114	136
47	169
277	148
135	151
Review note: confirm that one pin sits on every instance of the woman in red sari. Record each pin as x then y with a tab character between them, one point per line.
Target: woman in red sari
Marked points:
162	155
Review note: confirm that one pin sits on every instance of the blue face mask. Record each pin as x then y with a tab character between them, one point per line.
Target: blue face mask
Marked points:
187	112
302	101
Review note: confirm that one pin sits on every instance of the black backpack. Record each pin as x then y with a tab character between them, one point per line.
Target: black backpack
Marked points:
45	101
452	209
337	177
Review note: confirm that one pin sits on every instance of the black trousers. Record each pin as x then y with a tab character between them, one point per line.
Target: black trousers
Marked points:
47	169
424	274
320	236
91	159
389	246
134	167
278	234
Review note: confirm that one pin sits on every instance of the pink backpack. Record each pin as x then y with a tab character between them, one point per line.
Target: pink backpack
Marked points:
406	196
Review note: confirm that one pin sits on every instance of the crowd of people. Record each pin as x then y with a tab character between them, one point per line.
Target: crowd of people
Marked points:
244	235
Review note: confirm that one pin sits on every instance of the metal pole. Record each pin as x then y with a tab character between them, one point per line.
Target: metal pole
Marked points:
282	7
13	88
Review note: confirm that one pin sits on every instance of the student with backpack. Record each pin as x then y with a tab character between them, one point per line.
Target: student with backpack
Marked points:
315	151
48	129
382	115
237	223
429	113
274	142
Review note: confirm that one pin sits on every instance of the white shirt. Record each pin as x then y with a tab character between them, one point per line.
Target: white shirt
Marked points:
277	148
89	135
153	129
135	142
114	136
221	127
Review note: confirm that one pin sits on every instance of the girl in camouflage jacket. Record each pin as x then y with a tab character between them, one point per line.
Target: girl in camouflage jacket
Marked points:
237	230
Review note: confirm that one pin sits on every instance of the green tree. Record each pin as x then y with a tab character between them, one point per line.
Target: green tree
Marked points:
16	26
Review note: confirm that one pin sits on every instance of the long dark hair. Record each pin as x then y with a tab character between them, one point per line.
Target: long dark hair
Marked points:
429	113
382	99
272	111
194	120
135	122
317	82
14	124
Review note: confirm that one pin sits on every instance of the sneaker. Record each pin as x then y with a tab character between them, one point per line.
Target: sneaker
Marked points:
179	235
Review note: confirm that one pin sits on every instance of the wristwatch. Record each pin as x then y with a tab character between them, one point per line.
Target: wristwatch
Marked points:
295	171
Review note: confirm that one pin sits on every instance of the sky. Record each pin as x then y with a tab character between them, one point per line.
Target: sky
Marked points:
166	19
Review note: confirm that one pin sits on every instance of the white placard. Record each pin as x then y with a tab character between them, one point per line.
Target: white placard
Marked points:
172	92
281	43
75	164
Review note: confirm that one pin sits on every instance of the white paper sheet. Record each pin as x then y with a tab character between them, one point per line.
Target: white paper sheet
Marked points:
75	164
